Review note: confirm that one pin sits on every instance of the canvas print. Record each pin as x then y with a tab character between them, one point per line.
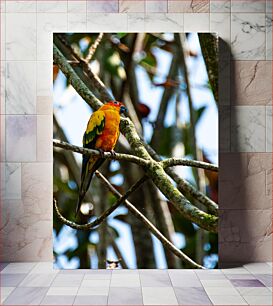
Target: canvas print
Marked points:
135	170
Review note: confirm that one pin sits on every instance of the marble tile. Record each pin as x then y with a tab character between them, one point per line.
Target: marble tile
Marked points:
236	271
268	6
268	23
227	291
77	22
246	291
196	22
161	22
38	280
3	88
224	128
46	24
155	278
220	24
188	6
12	280
258	299
248	36
182	279
258	267
136	22
97	275
131	6
58	300
192	296
210	275
233	232
239	276
153	6
246	283
125	281
43	268
220	6
77	6
159	296
26	296
67	280
85	291
21	7
103	6
5	292
44	78
248	129
266	279
59	6
37	190
20	88
90	300
3	6
248	6
3	265
12	181
20	36
3	36
106	22
125	296
216	283
44	138
238	236
268	128
20	138
227	300
62	291
18	268
44	105
3	138
251	83
248	187
95	283
12	233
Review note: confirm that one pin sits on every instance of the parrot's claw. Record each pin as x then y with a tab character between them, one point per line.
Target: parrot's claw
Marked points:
101	153
113	153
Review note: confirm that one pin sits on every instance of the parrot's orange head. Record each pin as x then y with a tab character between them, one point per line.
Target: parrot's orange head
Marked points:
117	105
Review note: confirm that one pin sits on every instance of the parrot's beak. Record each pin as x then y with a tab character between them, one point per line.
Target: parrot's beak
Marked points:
123	109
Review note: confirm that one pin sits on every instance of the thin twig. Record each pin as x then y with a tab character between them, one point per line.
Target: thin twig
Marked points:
93	48
149	225
171	162
102	217
108	155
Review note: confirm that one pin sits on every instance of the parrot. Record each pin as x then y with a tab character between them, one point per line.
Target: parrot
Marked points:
101	134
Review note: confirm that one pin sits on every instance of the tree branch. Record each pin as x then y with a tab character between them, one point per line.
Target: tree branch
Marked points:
102	217
108	155
171	162
184	186
93	48
148	224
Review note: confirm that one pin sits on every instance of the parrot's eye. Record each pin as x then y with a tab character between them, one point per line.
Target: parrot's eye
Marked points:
115	102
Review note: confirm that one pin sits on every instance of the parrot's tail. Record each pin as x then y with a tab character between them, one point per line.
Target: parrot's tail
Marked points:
86	180
83	189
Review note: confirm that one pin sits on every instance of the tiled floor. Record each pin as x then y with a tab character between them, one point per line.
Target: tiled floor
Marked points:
39	284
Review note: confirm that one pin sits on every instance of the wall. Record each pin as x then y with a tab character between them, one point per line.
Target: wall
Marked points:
245	112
